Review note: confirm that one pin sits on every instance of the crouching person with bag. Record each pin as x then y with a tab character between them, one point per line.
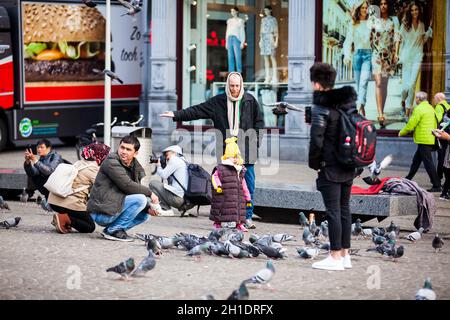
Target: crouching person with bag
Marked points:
71	209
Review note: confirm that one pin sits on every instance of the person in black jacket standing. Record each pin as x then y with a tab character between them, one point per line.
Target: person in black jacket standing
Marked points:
234	113
334	180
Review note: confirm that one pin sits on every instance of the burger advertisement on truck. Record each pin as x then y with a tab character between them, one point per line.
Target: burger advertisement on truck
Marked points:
64	49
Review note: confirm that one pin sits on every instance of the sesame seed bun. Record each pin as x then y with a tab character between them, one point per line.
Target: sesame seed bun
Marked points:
62	22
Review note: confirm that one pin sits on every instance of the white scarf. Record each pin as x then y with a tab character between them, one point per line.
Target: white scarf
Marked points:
234	122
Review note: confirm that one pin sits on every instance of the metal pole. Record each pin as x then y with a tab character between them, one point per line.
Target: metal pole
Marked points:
146	73
107	113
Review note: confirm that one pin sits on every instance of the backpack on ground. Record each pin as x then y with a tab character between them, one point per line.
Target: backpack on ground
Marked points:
61	180
357	140
199	187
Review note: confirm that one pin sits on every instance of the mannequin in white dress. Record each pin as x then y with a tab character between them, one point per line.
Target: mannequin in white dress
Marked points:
269	43
235	40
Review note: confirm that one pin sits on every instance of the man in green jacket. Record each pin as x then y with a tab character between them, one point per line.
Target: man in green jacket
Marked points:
441	106
118	200
423	121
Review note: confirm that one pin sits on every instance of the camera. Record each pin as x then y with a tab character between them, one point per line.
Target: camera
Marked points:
161	158
32	148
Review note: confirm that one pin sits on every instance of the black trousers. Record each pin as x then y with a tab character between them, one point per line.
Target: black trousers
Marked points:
336	197
79	220
446	188
424	153
441	157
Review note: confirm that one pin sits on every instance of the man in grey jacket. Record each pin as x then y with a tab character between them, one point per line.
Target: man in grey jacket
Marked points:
118	201
38	170
175	171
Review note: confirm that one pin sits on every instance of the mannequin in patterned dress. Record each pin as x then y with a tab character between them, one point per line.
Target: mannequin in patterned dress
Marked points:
269	43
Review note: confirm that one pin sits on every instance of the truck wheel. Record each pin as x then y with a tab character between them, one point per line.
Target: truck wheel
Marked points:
3	134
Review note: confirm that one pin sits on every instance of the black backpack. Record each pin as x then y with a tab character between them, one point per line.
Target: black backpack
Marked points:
199	188
357	140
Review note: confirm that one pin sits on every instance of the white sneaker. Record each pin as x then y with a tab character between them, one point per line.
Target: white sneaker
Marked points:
347	261
329	264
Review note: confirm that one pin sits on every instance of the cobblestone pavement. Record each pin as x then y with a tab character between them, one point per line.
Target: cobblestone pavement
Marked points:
38	263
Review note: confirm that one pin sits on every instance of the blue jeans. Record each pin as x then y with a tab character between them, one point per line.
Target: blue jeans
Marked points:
362	67
250	180
131	215
234	54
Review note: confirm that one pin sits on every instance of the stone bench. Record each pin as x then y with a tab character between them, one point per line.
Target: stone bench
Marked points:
282	203
13	179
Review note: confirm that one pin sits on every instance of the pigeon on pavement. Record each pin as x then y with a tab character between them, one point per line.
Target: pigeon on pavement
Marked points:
12	222
124	268
240	294
415	236
146	265
426	293
264	276
437	243
24	196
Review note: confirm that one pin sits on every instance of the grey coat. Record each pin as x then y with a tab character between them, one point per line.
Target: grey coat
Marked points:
113	183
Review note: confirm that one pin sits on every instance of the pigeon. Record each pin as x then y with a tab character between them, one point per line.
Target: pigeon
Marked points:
324	228
375	170
38	200
109	73
154	246
303	220
13	222
216	235
45	206
426	293
378	240
233	250
307	237
89	3
282	237
308	253
164	242
240	294
264	276
392	227
218	249
236	235
378	231
4	204
276	245
265	240
146	265
124	268
413	237
24	196
281	108
357	228
437	243
253	238
399	252
367	232
271	252
133	7
199	249
251	249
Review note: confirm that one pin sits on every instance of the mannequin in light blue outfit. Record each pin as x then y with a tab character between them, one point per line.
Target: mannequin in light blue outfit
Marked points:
358	39
235	40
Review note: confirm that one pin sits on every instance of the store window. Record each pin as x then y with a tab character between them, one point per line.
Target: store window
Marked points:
252	40
388	50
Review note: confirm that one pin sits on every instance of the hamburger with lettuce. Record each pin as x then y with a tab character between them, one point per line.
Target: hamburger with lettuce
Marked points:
63	42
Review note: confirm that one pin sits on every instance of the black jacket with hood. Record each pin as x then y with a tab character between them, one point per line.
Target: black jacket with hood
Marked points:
216	110
325	131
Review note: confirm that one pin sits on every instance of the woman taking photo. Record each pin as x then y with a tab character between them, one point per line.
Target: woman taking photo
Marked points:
357	43
413	38
384	41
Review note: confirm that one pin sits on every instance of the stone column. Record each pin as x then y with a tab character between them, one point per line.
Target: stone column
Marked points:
162	93
302	29
447	53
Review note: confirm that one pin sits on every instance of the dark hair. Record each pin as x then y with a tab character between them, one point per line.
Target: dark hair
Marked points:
407	18
46	142
236	8
356	17
390	6
268	7
131	140
324	74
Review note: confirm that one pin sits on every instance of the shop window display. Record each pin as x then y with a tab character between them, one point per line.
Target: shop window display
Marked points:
247	36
